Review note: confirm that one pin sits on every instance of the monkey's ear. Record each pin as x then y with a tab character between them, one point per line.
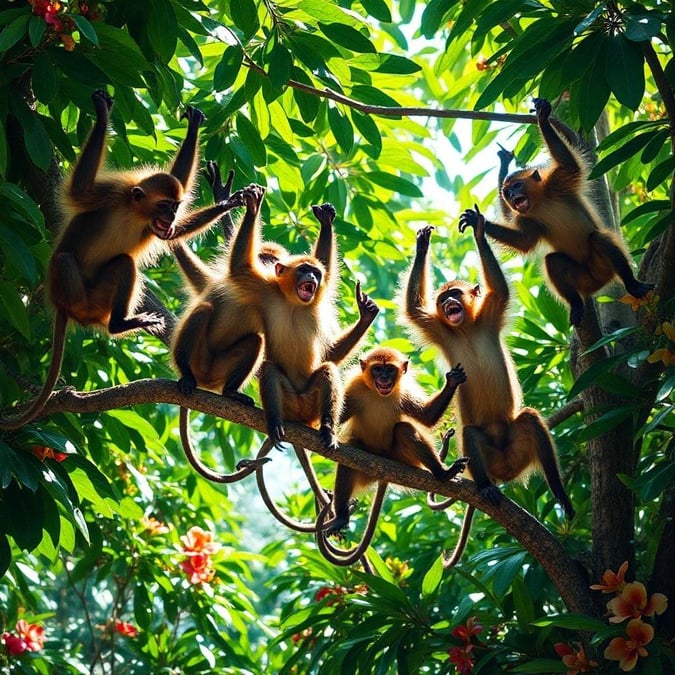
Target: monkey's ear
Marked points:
363	365
279	269
536	176
404	367
475	291
137	193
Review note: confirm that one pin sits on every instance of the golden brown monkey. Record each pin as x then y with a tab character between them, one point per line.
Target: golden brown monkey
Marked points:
115	223
298	378
502	439
550	204
386	414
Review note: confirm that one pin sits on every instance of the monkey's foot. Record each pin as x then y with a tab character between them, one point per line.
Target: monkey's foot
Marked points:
328	437
491	494
337	527
276	434
187	385
638	289
237	396
457	467
149	321
252	463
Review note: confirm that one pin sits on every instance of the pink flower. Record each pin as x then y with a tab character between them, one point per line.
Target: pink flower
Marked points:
198	540
460	657
198	568
633	603
32	634
612	583
126	629
14	646
627	652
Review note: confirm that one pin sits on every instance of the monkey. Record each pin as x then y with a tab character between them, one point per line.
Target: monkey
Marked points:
502	439
385	414
219	340
550	204
298	378
115	223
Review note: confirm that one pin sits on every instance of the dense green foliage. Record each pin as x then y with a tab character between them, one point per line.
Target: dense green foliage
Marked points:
289	90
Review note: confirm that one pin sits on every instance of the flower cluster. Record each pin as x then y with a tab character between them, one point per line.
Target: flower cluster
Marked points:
461	656
665	354
28	638
153	526
631	602
198	545
574	659
42	452
57	16
126	629
338	591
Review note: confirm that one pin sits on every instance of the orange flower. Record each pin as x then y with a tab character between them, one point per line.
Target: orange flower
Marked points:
628	651
153	526
126	629
482	63
576	662
612	583
199	541
636	303
466	632
32	634
198	568
633	603
664	355
42	452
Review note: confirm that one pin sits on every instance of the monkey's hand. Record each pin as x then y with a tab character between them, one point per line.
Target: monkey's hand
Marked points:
234	200
325	213
151	322
491	494
187	384
253	196
328	438
473	218
542	108
195	117
103	102
221	192
276	433
251	463
368	308
456	467
423	238
445	443
456	376
505	157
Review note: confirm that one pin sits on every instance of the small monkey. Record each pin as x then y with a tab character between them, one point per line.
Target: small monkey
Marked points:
115	223
386	414
502	439
298	379
550	204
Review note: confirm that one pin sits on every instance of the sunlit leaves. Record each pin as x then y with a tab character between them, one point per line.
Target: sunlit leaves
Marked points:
245	16
227	69
625	71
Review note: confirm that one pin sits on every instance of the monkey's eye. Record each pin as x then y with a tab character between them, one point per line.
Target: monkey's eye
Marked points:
518	185
308	269
455	293
383	372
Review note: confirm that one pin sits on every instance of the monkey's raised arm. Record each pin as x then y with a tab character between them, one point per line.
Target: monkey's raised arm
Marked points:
196	272
505	159
417	290
82	180
325	248
221	193
429	412
185	163
198	220
559	150
345	344
243	251
523	239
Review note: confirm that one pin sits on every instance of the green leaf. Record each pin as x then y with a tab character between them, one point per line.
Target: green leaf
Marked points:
625	70
573	621
13	32
348	37
433	15
654	147
590	19
308	104
85	27
660	173
45	78
432	578
541	666
378	9
618	334
5	555
245	16
26	517
397	65
589	377
641	27
251	138
22	203
591	92
621	154
368	129
18	256
280	65
13	308
394	183
162	28
36	30
227	69
341	128
610	420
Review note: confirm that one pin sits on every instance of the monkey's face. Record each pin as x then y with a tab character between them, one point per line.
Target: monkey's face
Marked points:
384	378
515	190
454	302
162	221
301	282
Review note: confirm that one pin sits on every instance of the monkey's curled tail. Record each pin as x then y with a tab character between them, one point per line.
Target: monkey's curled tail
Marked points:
247	466
345	557
463	538
58	348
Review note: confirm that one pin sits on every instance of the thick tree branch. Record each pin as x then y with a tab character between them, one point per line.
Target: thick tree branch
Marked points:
565	573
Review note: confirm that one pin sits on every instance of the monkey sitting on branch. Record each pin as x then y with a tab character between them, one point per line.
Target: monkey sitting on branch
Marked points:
385	414
551	204
502	439
116	221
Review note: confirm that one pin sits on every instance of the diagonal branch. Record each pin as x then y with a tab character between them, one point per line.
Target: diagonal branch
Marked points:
565	573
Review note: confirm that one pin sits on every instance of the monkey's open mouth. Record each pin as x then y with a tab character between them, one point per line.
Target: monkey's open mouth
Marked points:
384	387
162	228
306	290
521	203
453	310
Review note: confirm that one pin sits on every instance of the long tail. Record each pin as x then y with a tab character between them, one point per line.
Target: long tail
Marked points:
463	538
58	347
